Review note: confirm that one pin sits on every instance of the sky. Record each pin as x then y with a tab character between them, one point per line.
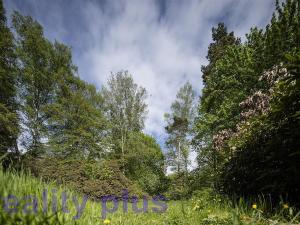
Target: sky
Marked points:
161	43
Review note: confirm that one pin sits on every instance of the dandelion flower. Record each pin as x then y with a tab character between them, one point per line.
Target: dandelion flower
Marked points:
106	221
285	206
254	206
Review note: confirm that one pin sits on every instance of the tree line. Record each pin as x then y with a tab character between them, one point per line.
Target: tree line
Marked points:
48	111
244	127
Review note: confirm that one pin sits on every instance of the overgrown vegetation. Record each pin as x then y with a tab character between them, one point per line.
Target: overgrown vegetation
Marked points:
57	130
205	207
247	130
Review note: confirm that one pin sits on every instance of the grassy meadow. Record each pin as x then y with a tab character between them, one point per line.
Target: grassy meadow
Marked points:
198	210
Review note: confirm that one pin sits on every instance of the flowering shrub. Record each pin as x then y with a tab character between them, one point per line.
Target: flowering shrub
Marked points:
266	140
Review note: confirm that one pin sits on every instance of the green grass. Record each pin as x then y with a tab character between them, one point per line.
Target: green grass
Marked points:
200	210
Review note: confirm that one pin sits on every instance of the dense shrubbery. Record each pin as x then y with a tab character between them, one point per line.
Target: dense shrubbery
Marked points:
95	179
267	157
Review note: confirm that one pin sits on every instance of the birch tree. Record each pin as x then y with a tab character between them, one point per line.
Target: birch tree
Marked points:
125	108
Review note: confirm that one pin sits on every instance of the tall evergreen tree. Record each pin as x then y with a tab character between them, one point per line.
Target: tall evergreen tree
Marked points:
222	79
221	39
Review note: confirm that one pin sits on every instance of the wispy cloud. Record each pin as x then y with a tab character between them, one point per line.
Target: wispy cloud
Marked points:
162	43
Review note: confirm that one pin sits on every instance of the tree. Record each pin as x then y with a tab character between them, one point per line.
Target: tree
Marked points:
76	125
206	120
37	80
144	162
9	127
282	34
216	50
178	128
230	78
125	107
247	127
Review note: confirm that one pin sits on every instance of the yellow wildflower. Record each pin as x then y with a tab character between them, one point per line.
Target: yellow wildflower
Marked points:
286	206
106	221
254	206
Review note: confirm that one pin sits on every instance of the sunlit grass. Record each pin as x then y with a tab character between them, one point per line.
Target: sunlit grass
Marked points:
195	211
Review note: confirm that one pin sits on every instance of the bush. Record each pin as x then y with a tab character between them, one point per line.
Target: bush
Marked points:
178	187
95	179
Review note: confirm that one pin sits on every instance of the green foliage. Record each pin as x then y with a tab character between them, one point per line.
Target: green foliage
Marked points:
178	128
268	147
282	34
9	128
246	131
179	212
76	123
216	50
36	78
125	108
247	128
178	188
125	102
144	163
65	117
95	179
231	79
207	120
57	106
201	177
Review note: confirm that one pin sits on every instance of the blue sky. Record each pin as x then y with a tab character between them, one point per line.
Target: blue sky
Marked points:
162	43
